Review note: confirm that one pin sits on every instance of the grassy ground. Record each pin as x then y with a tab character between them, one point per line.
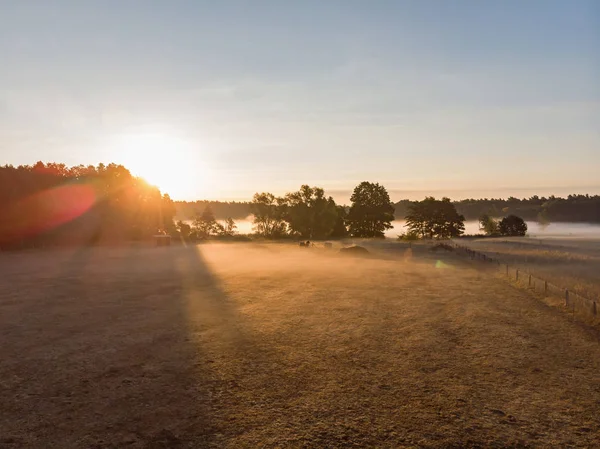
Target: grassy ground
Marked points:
247	345
572	263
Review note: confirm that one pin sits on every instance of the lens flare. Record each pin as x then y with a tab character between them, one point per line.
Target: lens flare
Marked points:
442	265
46	210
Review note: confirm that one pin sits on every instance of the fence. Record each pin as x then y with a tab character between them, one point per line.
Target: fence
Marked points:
573	301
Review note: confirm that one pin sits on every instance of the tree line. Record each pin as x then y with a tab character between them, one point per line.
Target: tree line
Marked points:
573	208
47	204
309	214
52	204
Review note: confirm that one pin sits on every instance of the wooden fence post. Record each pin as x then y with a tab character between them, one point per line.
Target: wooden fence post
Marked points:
567	297
529	281
545	288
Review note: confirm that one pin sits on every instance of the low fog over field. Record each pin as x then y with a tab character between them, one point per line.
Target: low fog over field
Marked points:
472	227
534	229
246	345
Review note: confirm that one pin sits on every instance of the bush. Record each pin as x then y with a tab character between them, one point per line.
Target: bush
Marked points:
513	226
409	236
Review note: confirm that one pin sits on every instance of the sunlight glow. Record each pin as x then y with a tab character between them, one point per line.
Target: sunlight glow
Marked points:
166	161
46	210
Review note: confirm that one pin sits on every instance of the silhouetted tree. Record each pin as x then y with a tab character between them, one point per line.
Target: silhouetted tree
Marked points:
230	227
309	213
435	218
184	229
218	229
205	223
372	212
268	212
512	226
419	219
168	212
340	229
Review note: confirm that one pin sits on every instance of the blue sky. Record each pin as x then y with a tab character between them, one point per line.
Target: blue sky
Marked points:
223	99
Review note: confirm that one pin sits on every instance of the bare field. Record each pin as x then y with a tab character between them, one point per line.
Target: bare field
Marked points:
247	345
572	263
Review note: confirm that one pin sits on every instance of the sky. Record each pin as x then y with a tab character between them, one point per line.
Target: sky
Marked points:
223	99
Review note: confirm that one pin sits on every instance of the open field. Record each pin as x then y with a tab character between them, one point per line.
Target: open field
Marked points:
572	263
249	345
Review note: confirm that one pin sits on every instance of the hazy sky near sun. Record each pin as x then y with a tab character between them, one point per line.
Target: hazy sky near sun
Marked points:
221	99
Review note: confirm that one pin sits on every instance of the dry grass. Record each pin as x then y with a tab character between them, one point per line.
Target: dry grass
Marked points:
568	263
246	345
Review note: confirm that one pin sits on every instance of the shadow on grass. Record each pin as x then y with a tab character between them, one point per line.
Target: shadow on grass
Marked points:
118	359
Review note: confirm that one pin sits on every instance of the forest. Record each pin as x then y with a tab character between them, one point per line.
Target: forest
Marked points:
574	208
52	204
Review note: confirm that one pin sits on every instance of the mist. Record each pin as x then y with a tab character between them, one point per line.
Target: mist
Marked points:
534	229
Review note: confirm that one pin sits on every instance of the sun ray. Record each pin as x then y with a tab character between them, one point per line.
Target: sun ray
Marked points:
167	161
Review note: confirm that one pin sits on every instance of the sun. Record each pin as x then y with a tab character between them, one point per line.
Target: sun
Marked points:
170	163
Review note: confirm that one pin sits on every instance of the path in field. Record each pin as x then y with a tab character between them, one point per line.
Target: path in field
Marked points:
244	346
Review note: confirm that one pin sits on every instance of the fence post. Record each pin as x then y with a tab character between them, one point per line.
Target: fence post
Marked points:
545	288
567	297
529	285
517	276
506	270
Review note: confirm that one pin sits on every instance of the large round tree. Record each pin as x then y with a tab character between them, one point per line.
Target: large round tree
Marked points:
435	218
309	213
371	212
512	226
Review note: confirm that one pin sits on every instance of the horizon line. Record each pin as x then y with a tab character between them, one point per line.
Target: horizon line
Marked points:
594	191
